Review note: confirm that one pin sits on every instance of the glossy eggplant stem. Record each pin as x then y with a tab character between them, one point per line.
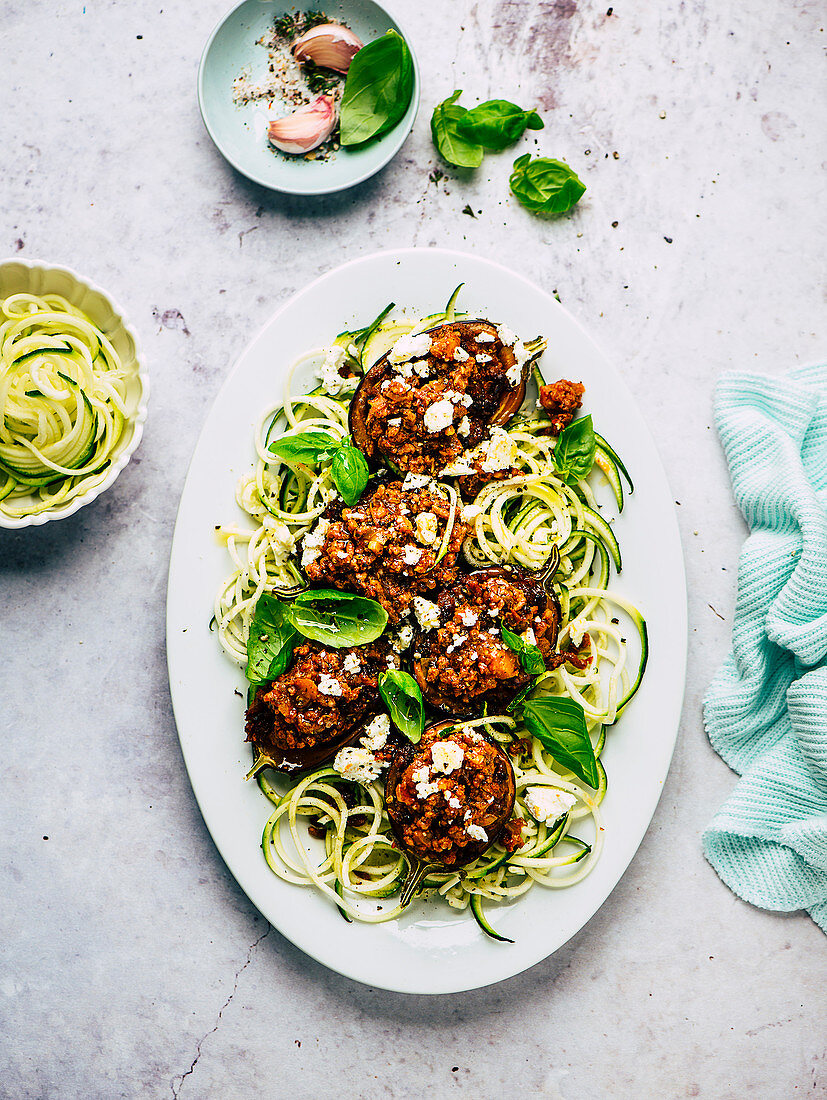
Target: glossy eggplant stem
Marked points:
417	870
536	347
262	760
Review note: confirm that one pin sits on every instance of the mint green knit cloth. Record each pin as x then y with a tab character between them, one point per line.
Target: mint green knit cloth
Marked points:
766	710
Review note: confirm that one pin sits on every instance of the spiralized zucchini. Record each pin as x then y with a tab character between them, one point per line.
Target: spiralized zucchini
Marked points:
62	403
347	853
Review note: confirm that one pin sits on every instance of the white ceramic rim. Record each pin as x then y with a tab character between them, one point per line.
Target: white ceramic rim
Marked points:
15	523
258	886
365	175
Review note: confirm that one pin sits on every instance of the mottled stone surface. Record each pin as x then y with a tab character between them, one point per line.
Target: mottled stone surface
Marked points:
132	965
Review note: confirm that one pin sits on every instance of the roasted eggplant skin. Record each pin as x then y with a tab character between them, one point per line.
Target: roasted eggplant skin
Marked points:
537	592
399	813
494	413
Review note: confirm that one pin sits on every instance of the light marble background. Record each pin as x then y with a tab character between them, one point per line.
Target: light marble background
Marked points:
132	965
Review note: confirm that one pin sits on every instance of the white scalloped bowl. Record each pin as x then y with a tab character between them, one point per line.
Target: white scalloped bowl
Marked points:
34	277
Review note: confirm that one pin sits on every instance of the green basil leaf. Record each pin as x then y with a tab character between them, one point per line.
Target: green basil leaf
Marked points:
270	641
545	186
530	656
404	701
378	89
497	123
336	618
450	143
350	473
560	724
308	447
574	451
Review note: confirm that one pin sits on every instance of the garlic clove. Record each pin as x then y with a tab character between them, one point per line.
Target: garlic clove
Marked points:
305	128
330	46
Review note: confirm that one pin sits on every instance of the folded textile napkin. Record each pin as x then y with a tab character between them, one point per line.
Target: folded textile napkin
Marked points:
766	710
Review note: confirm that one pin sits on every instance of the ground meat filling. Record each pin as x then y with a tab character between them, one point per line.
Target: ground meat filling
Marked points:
424	413
325	693
561	400
450	816
464	662
386	546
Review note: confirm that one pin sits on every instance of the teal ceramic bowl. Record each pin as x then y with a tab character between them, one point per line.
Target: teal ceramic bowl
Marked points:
240	132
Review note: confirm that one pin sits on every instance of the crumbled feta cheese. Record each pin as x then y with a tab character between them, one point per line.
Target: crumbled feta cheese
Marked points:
386	384
457	642
439	416
395	422
548	803
427	612
447	756
483	358
493	612
476	832
329	685
470	512
357	765
458	398
484	338
456	469
528	636
452	800
464	426
404	637
424	785
493	630
577	628
469	617
412	554
461	355
328	373
313	542
410	347
423	369
352	663
507	337
377	732
415	481
500	451
426	527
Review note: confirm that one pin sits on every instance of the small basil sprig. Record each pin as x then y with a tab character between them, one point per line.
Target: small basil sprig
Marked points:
270	641
497	123
545	186
560	725
349	467
312	448
530	656
350	473
404	701
574	451
461	135
378	89
450	142
336	618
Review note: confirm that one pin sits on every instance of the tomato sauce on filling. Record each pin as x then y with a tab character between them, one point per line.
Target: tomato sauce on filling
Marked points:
323	695
464	662
450	816
425	413
386	547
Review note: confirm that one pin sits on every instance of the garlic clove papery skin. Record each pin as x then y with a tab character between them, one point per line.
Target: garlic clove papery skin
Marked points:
305	128
330	46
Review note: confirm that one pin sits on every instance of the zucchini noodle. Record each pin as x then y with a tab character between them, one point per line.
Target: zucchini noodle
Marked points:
62	403
333	834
